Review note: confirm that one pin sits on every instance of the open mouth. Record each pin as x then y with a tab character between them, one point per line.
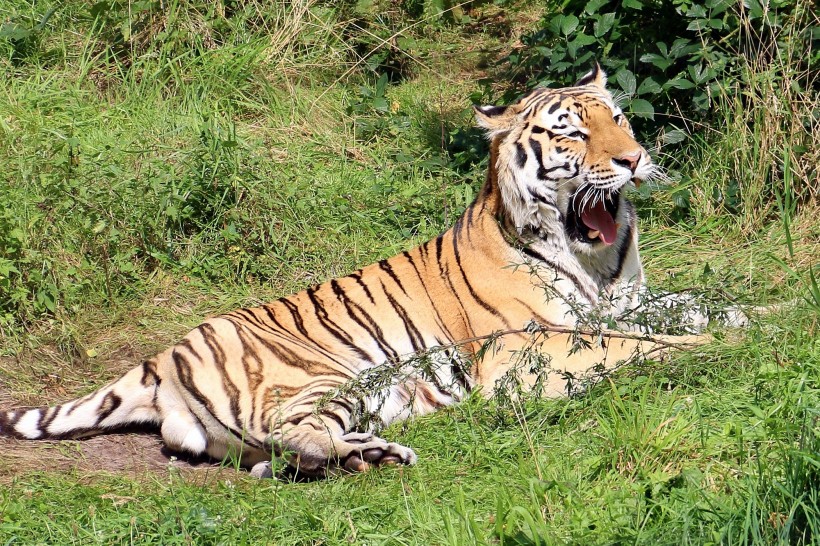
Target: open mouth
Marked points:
591	215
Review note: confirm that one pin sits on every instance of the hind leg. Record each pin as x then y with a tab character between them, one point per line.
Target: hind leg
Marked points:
182	432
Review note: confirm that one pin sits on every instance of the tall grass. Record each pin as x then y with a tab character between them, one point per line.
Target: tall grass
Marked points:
144	121
762	161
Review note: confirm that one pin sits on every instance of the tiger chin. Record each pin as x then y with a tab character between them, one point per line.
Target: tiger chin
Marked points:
549	235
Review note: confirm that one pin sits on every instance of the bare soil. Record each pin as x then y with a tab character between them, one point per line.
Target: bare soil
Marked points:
121	453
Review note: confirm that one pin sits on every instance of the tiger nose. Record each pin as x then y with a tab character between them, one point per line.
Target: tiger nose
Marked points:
630	161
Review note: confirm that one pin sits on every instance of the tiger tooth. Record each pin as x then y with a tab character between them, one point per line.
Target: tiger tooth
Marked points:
594	234
637	182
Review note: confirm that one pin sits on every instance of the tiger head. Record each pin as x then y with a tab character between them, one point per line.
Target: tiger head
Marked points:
562	158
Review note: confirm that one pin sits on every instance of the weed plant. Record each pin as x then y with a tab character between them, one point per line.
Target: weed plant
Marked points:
163	162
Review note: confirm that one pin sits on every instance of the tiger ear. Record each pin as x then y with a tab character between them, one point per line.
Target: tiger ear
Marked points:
595	77
495	119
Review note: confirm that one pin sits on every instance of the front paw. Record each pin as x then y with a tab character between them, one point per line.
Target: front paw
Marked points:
377	452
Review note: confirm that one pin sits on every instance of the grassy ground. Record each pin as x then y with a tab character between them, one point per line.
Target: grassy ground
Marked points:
214	160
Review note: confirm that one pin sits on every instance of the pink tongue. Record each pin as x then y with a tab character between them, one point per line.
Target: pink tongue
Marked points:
598	218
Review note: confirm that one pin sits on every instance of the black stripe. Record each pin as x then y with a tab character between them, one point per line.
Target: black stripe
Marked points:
253	373
541	319
184	373
297	317
416	339
489	184
298	360
79	402
186	343
626	244
387	268
220	360
149	374
296	417
439	321
288	335
339	421
372	327
536	148
47	416
344	404
533	254
358	278
564	167
110	402
337	332
492	310
183	368
538	197
248	315
520	155
457	370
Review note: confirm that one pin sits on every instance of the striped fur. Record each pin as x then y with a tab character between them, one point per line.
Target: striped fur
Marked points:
248	383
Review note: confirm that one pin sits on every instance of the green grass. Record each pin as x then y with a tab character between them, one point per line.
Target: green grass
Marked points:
212	166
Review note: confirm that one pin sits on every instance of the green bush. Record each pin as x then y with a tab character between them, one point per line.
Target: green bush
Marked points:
665	58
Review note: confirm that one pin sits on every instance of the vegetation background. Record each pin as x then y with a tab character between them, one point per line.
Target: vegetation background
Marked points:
162	161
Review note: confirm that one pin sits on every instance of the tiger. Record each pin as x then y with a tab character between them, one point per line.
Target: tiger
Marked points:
549	237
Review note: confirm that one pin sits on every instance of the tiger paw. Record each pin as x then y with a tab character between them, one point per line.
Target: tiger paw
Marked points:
369	451
262	470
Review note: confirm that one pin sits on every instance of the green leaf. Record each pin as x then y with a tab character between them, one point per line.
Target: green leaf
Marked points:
697	25
755	9
716	24
46	299
649	86
406	43
7	267
14	32
626	79
603	24
593	6
696	72
656	60
381	85
579	41
380	104
556	23
696	11
678	83
642	109
681	47
632	4
569	24
674	136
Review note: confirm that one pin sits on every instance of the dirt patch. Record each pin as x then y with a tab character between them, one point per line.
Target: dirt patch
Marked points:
127	453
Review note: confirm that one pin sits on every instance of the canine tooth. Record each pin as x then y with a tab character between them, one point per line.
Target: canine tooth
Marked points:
637	182
594	234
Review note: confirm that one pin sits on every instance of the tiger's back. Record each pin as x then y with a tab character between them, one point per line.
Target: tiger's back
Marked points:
266	380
